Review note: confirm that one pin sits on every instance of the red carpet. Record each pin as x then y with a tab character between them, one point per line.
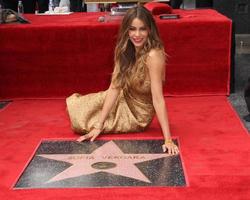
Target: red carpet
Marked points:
215	150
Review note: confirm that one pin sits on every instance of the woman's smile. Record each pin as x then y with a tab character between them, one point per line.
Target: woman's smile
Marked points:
137	40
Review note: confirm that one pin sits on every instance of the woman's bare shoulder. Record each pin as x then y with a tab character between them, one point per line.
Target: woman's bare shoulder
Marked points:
156	55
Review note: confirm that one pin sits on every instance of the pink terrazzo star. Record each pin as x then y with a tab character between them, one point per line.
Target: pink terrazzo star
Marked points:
121	164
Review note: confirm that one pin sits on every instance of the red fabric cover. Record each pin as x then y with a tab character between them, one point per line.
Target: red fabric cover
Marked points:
214	145
56	56
157	8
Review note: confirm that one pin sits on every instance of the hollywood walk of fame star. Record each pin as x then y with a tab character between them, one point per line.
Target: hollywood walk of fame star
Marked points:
107	158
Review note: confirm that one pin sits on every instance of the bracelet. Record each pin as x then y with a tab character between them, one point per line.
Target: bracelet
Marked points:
169	141
98	125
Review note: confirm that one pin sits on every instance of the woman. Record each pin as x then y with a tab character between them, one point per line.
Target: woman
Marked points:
135	92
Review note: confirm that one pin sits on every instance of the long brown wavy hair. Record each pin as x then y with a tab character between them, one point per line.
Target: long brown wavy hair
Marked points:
129	64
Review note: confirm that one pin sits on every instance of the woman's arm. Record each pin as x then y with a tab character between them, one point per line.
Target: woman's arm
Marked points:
156	65
110	99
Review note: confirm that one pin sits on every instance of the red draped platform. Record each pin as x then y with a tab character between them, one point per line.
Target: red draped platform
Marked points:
55	56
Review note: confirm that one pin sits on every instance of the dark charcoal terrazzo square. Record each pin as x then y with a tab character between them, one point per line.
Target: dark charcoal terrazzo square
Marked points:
116	163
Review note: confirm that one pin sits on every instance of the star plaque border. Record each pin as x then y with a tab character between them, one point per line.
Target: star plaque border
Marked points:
103	163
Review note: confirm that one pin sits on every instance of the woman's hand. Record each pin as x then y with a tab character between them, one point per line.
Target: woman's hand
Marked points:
171	147
92	135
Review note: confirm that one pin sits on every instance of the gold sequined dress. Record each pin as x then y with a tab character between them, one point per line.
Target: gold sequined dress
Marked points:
132	112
